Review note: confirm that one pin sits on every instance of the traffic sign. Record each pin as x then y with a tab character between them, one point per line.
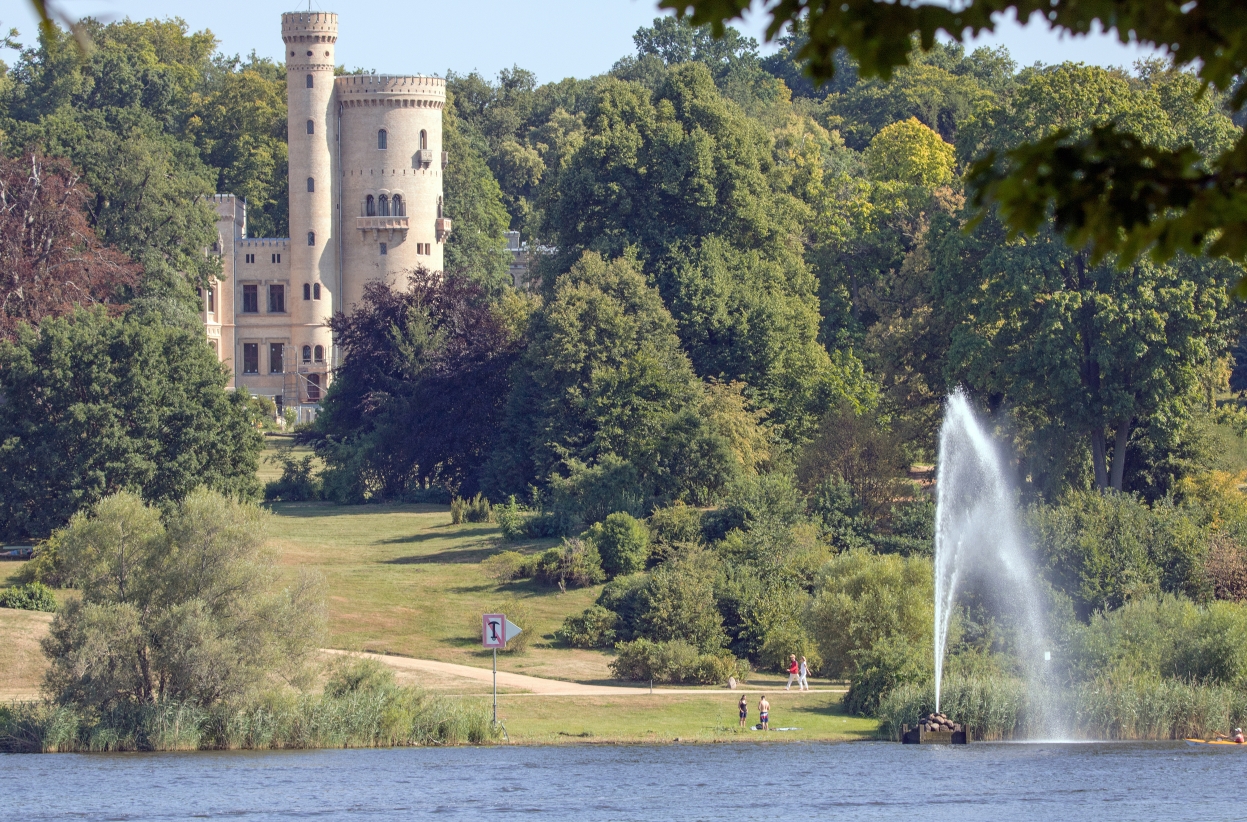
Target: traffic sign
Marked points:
494	630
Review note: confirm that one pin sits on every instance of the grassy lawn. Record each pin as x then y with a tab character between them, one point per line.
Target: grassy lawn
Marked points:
697	717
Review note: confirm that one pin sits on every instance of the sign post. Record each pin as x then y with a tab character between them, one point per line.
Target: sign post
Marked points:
496	629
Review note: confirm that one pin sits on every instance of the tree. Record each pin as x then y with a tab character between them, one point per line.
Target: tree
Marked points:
51	259
477	246
93	405
420	391
1110	190
623	542
188	608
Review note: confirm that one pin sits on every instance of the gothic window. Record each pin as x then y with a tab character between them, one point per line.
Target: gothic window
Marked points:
311	238
311	127
381	139
307	291
383	206
319	353
313	387
307	353
396	205
424	139
309	81
316	291
311	185
370	207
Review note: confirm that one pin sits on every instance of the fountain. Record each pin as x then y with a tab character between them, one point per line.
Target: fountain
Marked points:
979	544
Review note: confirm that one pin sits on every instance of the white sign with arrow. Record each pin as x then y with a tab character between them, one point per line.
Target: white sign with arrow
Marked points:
496	631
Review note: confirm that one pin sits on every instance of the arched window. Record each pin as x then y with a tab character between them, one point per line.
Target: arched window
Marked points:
381	139
313	387
311	238
316	292
307	353
396	205
307	291
424	139
311	127
309	81
311	185
383	206
319	355
370	207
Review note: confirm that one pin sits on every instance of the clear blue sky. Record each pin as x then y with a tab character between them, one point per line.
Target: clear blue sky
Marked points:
554	38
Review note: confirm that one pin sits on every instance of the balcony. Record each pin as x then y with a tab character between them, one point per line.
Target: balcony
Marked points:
389	224
442	226
424	157
445	158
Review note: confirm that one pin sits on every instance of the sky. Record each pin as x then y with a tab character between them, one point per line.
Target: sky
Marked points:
553	38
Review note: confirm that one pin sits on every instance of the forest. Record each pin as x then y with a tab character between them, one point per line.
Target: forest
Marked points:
721	381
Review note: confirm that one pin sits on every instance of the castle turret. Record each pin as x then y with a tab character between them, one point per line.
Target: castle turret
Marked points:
312	133
392	161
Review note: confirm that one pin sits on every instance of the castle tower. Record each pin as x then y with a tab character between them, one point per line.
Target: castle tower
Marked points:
392	163
315	279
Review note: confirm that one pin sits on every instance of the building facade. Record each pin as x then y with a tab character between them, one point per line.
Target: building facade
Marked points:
366	163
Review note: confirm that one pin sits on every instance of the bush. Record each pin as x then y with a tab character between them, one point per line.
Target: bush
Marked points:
575	563
508	566
33	596
511	519
476	509
626	597
297	483
45	565
679	602
671	530
352	675
675	662
623	543
591	492
887	664
595	628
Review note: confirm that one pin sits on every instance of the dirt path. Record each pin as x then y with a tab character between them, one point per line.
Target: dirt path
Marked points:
532	685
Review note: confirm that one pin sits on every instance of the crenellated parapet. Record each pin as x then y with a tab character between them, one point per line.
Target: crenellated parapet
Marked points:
412	91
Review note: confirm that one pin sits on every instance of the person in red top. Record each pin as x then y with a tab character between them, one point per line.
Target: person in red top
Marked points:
793	671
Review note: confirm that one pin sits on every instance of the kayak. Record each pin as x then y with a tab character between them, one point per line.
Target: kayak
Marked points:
1215	742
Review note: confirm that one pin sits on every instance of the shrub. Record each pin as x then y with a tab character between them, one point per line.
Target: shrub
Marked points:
595	628
591	492
478	510
575	563
508	566
458	508
675	661
623	543
626	597
45	566
887	664
352	674
511	519
679	602
520	614
297	482
33	596
671	530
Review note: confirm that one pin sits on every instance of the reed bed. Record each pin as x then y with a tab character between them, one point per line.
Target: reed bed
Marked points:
387	717
1000	708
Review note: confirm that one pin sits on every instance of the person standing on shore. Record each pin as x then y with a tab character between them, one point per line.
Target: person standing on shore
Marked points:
792	671
803	672
764	713
744	709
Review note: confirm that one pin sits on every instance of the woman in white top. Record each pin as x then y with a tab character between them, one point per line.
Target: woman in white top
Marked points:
804	671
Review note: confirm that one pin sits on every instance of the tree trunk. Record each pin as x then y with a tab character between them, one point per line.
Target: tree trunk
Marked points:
1119	454
1098	457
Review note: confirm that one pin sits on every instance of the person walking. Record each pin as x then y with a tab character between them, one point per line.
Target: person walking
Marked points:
764	713
803	672
744	709
793	671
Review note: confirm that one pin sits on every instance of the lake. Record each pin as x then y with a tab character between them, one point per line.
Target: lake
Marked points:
763	781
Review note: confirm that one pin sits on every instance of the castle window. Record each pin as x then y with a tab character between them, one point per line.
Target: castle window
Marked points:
307	353
211	301
313	387
319	354
307	291
381	139
316	291
396	205
383	206
275	357
424	139
384	250
311	127
277	299
251	258
370	207
251	299
309	81
311	185
311	238
276	258
251	358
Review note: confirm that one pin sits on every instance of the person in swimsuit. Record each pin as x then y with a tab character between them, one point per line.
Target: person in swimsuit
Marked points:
744	710
764	713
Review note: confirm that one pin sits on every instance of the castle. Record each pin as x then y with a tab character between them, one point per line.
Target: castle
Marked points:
365	204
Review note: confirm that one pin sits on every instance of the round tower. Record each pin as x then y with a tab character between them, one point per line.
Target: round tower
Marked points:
391	178
311	131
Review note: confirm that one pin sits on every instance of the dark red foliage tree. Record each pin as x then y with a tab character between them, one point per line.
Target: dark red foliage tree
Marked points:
50	258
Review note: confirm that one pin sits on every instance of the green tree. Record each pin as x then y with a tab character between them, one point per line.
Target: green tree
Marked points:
93	406
623	542
477	246
191	608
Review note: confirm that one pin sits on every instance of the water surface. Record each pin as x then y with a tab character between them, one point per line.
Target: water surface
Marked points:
870	780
